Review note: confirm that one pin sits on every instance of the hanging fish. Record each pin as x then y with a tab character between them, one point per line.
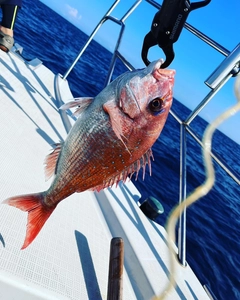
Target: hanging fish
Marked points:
111	139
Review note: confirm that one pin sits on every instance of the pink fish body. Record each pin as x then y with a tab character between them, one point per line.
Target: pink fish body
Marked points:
111	139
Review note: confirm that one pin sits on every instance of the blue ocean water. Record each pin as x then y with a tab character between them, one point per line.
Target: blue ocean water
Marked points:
213	246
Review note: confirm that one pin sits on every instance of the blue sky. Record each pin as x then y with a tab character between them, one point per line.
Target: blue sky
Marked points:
194	60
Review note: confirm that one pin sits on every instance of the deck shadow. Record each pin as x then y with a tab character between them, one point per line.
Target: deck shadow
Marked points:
136	221
191	290
89	273
31	91
2	240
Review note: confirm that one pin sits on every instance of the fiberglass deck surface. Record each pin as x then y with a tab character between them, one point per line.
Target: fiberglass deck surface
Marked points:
70	256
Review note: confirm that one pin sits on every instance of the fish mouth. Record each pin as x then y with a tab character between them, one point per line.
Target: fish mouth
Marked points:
160	74
153	74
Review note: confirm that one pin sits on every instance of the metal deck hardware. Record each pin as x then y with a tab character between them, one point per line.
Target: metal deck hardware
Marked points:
115	276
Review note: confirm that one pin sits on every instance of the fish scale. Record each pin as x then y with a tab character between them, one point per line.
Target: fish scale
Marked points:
111	139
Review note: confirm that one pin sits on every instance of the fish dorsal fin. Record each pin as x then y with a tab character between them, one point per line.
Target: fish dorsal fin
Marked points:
133	168
82	103
51	161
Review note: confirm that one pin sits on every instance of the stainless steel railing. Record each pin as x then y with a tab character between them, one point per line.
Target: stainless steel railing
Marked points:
228	68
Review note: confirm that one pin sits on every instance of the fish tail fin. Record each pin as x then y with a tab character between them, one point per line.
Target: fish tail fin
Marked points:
38	213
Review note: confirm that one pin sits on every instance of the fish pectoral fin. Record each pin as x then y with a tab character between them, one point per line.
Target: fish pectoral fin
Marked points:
51	161
81	102
115	120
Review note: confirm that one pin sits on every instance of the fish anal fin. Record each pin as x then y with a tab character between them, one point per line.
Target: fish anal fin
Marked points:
128	172
37	213
51	161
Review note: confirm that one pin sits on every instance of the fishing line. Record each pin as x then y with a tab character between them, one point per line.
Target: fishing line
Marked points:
199	192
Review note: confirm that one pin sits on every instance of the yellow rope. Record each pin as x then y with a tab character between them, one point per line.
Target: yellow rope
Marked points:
199	192
14	17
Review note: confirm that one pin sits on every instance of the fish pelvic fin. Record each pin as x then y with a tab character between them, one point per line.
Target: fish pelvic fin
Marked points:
51	161
37	213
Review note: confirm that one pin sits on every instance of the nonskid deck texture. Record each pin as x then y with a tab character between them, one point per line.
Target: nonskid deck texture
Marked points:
69	259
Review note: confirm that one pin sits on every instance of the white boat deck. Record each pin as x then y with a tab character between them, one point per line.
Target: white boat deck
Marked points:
69	259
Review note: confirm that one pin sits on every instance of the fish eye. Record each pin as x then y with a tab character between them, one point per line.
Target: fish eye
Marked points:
156	105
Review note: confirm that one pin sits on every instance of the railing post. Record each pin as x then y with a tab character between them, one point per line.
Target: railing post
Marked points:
90	38
182	196
230	65
114	57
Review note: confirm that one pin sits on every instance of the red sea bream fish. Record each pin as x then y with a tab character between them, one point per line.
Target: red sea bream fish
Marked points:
111	139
